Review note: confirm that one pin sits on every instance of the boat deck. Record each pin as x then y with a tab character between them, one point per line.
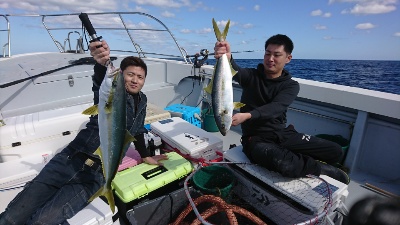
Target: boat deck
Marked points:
356	188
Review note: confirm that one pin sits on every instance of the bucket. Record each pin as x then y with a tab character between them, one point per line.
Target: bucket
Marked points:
209	123
215	180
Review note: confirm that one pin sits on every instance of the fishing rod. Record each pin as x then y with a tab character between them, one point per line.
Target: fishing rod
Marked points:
81	61
204	53
92	33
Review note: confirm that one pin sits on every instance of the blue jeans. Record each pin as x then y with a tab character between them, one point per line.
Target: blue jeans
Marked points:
59	191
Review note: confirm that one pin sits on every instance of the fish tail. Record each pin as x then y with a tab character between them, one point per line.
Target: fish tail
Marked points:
220	36
106	192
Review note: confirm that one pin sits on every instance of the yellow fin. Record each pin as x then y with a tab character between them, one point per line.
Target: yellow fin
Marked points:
107	108
234	72
218	35
109	196
216	30
238	105
128	138
98	152
92	110
225	33
208	89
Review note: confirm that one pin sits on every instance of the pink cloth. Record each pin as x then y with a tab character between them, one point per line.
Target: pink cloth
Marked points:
132	158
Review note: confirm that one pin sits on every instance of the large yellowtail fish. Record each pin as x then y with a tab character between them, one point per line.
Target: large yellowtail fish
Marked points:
220	87
114	137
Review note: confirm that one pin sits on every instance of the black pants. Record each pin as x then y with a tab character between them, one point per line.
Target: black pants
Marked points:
290	153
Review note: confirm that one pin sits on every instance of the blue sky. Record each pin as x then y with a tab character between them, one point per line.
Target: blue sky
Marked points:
320	29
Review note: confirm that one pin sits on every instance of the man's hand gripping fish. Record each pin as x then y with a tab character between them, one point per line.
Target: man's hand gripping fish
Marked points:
220	87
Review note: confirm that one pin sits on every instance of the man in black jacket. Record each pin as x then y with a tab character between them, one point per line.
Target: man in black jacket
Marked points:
268	90
64	186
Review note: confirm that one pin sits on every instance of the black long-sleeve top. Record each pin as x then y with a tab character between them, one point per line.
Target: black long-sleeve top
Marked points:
267	100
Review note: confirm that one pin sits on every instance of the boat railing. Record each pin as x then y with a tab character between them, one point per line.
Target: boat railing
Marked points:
7	45
115	23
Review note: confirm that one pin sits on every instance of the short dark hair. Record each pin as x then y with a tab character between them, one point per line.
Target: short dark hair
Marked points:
133	61
281	39
375	211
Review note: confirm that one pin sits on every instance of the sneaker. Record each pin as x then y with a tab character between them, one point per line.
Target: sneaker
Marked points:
334	173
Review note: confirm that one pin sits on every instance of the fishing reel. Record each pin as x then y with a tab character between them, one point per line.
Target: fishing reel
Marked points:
198	62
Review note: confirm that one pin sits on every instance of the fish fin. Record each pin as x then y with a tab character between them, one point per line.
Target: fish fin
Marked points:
108	106
128	138
216	30
98	152
218	35
208	89
225	33
106	193
234	72
92	110
238	105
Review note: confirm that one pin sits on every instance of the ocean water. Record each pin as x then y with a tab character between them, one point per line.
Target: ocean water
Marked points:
368	74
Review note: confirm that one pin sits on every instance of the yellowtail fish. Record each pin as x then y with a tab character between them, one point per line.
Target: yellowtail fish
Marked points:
220	87
114	137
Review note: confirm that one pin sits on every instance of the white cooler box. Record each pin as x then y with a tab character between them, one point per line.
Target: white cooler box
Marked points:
286	200
180	135
96	213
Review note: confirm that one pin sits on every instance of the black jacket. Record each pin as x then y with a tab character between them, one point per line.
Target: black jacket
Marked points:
266	99
88	139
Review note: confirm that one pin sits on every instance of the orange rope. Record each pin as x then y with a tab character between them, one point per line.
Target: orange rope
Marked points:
219	206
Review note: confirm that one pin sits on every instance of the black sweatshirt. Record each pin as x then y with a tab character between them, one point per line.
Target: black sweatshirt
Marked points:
266	99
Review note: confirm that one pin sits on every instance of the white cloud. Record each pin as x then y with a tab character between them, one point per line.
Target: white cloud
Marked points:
397	34
204	31
365	26
186	31
140	9
317	12
327	38
256	7
369	6
164	3
320	27
221	24
248	25
33	6
167	14
327	15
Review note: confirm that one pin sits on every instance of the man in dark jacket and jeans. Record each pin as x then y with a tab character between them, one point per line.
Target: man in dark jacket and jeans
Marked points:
268	90
64	186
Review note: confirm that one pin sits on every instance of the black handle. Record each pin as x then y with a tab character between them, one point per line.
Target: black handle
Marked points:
89	27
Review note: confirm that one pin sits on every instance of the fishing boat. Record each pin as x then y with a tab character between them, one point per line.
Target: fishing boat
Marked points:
42	96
